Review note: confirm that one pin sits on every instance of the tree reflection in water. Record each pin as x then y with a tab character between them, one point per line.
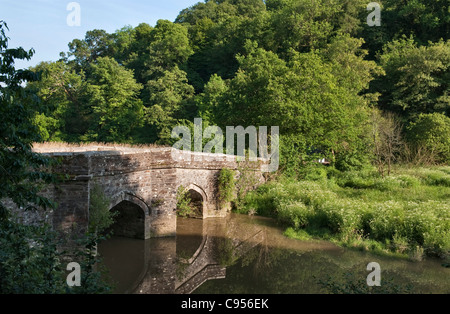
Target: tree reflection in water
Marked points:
250	255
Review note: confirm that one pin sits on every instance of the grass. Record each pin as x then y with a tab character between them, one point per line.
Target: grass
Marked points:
405	214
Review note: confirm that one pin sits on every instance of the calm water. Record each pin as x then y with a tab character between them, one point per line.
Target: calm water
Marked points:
249	255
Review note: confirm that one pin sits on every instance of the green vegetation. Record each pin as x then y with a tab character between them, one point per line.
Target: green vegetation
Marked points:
30	258
338	89
316	70
100	216
31	261
21	170
432	132
26	268
226	186
94	277
406	213
246	181
184	207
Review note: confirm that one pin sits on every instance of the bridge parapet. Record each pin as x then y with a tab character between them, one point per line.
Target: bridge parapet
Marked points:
116	161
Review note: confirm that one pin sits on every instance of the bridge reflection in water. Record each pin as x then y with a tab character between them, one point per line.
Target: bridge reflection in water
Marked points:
201	251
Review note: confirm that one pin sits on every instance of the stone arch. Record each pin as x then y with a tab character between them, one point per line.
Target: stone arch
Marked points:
198	196
199	190
130	197
132	216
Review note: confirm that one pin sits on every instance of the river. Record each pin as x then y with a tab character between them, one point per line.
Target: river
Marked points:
249	255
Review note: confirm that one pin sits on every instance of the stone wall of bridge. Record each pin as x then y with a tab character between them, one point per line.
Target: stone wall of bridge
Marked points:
140	183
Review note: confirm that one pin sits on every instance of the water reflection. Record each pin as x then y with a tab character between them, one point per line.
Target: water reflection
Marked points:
249	255
201	251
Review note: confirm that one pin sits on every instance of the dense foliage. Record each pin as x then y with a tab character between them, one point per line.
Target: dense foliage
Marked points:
337	88
20	168
226	186
184	208
406	213
316	69
31	261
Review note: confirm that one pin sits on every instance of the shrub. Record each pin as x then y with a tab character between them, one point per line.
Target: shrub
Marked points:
293	213
431	131
262	201
352	161
316	174
342	216
184	208
226	186
32	263
333	173
100	217
387	221
408	181
29	260
428	225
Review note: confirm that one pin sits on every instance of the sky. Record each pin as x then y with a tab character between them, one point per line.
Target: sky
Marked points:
43	24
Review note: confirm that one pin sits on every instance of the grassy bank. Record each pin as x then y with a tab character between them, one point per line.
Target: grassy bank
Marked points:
407	213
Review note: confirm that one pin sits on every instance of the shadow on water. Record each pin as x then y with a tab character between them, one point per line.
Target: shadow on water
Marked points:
250	255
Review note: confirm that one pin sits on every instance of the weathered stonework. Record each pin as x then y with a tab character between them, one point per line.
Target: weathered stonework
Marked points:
135	179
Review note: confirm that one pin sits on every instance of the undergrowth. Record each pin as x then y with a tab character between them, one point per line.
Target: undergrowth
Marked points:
406	214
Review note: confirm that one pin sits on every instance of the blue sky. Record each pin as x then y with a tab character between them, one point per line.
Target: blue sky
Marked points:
42	24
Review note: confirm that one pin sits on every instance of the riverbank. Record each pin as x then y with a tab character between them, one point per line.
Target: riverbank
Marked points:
406	214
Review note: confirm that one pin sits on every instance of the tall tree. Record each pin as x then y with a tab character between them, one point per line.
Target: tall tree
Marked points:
62	92
156	50
315	112
137	55
218	31
417	78
302	25
424	20
97	43
115	107
170	97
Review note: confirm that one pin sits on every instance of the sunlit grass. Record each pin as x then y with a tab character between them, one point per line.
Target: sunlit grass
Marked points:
406	213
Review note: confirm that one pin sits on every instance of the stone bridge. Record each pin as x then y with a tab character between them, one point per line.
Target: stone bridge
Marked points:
140	183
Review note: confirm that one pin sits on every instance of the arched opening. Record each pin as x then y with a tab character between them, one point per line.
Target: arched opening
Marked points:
190	202
129	220
196	203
